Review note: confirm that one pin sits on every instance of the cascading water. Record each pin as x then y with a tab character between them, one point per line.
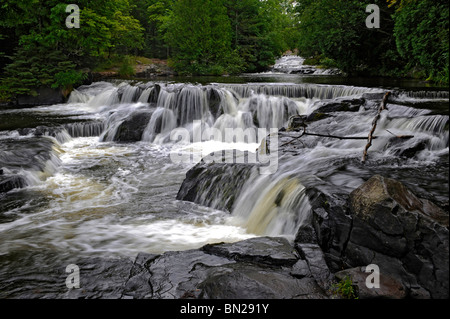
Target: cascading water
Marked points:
91	191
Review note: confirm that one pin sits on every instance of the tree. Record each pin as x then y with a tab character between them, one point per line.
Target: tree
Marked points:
336	29
47	53
199	33
421	33
261	30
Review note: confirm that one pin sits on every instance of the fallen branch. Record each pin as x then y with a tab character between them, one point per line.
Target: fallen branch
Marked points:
340	137
329	136
401	136
374	125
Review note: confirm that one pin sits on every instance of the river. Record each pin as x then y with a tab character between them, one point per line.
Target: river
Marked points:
87	194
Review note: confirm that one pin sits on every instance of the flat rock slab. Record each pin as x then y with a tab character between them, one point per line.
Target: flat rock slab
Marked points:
251	269
263	250
248	281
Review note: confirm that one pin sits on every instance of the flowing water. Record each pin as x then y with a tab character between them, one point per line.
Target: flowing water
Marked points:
86	194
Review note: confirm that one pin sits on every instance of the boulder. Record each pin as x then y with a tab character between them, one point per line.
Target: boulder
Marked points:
381	222
407	235
247	281
133	127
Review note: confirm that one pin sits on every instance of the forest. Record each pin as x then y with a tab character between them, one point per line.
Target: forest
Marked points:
218	37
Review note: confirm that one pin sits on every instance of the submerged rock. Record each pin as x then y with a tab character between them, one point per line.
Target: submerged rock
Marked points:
8	183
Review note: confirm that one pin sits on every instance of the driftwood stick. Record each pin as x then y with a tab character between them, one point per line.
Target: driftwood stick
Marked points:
374	125
340	137
294	139
329	136
401	136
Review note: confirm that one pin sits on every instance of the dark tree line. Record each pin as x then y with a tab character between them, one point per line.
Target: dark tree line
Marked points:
214	37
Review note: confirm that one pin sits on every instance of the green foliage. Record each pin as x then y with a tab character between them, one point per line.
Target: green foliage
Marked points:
421	33
126	69
225	36
47	53
344	289
413	36
199	33
68	79
336	29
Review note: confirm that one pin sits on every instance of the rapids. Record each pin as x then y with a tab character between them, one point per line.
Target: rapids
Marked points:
87	194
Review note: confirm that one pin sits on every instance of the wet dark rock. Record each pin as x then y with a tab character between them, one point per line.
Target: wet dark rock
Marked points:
154	94
247	281
37	277
301	269
315	259
261	250
100	278
332	225
214	102
374	96
214	185
45	96
323	108
303	70
340	105
8	183
382	222
138	284
297	122
133	127
31	153
260	268
405	147
394	225
390	288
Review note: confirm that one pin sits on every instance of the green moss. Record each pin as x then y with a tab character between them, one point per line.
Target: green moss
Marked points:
344	289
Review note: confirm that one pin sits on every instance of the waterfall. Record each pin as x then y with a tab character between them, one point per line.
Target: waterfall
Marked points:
85	129
129	93
34	158
298	90
272	207
158	130
106	98
191	104
433	95
145	95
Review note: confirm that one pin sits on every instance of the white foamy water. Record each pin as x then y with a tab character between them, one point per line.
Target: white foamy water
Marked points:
94	196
